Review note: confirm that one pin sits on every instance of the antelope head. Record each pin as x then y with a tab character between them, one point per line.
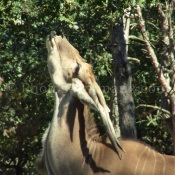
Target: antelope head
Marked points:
70	73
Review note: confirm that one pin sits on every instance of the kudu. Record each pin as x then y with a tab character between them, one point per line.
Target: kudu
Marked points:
71	144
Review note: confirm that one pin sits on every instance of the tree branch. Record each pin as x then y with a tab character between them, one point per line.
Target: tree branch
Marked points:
153	25
165	39
171	43
152	54
155	107
171	39
134	59
136	38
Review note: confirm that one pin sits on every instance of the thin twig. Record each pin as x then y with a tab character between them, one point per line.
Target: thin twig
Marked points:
134	59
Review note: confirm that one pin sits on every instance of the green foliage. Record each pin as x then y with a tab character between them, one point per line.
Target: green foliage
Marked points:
26	105
146	88
155	132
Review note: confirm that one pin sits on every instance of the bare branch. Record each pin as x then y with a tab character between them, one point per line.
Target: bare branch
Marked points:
153	25
164	40
126	22
171	43
133	25
155	107
167	37
136	38
151	53
134	59
1	81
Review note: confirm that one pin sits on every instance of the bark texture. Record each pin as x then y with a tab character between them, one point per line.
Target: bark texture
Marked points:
122	77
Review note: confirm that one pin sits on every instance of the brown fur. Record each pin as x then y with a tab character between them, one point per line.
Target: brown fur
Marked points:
71	144
99	156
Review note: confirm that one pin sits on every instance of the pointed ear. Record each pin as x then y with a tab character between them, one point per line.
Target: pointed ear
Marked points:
78	90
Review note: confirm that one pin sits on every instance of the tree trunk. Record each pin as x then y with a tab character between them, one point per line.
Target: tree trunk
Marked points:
122	79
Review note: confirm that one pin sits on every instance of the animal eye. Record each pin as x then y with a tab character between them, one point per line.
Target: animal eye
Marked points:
77	69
